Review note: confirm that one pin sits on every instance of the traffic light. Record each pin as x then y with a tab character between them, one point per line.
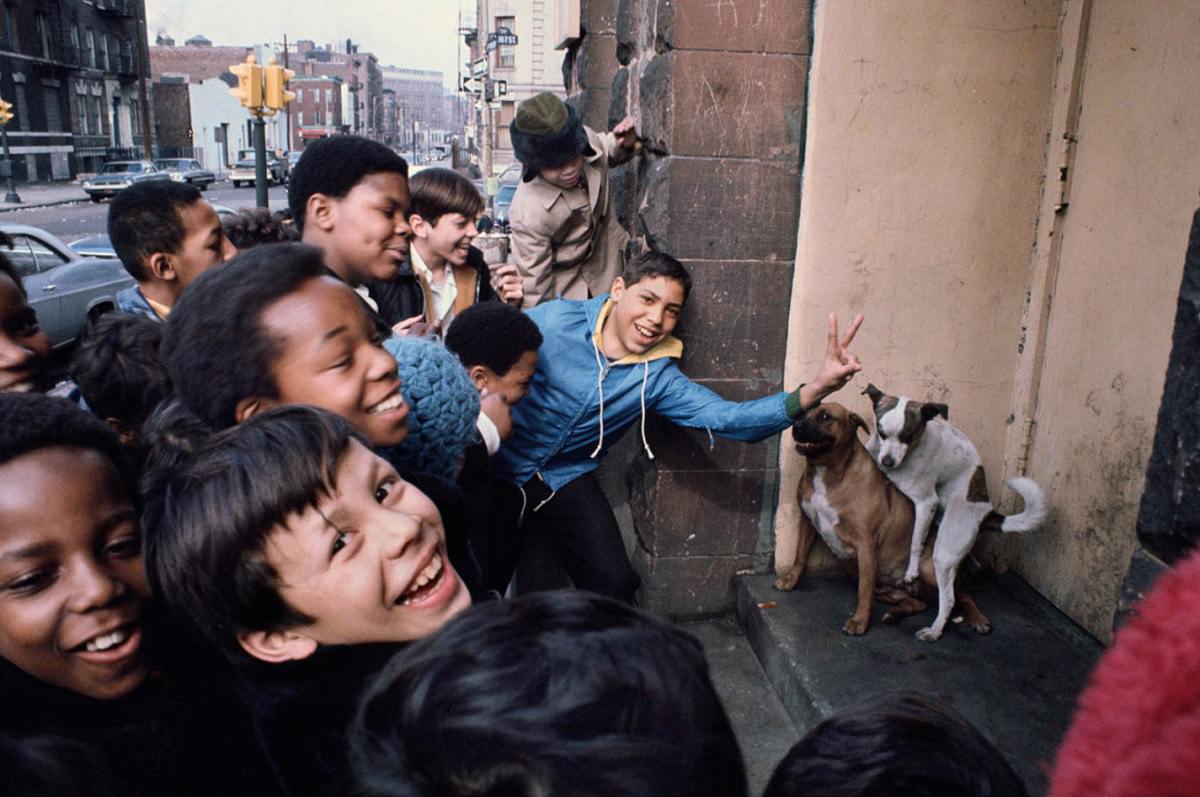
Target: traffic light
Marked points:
277	94
249	89
6	113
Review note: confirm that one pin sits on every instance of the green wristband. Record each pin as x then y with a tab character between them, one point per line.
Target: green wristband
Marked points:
792	405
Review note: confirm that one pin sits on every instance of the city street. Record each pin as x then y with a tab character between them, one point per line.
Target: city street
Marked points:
84	218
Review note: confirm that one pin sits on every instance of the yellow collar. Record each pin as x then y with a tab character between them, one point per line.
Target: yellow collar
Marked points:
161	309
670	346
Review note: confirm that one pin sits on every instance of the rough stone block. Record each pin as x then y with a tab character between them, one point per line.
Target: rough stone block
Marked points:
688	587
599	16
721	209
720	104
631	23
618	106
697	513
1168	523
736	320
597	62
762	26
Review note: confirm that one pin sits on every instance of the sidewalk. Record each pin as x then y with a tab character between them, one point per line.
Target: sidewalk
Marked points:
40	195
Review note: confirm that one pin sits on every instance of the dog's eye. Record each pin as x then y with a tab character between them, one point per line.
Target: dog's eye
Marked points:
824	416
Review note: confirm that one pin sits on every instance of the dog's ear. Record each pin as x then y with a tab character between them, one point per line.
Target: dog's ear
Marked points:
874	393
931	410
856	420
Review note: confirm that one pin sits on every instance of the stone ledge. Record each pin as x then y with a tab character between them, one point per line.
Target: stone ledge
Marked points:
1018	685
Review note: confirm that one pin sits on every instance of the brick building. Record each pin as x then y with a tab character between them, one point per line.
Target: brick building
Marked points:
419	98
71	71
362	81
317	109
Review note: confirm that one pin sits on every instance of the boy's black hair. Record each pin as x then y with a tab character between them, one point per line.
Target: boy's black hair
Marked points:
250	227
119	370
32	421
436	192
904	743
214	347
333	166
6	266
550	693
494	334
211	502
143	220
656	264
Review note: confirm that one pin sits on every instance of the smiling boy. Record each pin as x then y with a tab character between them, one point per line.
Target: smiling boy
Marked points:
603	365
24	346
166	236
288	544
349	197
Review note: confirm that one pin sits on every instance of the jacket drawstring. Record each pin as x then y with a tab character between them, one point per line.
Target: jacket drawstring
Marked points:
600	387
645	378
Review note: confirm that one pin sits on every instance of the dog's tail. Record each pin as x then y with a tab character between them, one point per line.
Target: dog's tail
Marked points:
1028	519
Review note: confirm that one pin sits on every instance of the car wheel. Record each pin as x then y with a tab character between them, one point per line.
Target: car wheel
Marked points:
95	313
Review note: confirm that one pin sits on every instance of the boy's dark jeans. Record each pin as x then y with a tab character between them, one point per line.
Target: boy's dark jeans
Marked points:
579	525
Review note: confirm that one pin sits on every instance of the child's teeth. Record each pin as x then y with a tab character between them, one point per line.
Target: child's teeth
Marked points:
107	641
425	576
386	406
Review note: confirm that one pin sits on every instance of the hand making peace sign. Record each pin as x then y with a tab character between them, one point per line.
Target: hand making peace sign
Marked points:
839	367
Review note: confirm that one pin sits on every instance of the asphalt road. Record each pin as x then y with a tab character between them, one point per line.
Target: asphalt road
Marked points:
84	218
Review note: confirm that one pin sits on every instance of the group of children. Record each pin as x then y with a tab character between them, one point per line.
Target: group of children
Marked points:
225	575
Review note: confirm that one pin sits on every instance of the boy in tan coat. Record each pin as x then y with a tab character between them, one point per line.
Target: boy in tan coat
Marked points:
566	240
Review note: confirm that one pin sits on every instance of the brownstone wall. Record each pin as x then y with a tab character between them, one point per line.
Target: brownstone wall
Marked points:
719	93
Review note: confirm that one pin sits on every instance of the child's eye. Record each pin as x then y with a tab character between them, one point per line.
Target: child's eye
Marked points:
340	540
30	583
385	489
125	547
24	324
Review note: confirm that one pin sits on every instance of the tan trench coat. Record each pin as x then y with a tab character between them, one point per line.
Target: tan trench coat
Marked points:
567	247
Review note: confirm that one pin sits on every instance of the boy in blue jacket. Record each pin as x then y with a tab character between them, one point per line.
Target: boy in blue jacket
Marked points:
604	363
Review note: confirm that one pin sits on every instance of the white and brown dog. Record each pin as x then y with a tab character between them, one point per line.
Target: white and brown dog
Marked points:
935	464
864	519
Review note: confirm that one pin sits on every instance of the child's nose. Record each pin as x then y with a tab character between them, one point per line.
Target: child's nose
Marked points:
399	533
93	587
13	354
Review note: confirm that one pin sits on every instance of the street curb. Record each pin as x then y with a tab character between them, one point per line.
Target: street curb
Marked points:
24	206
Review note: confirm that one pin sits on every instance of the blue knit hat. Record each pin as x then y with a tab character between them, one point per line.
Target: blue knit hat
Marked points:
443	407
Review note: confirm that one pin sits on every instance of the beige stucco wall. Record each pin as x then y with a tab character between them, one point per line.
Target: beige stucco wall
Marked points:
923	208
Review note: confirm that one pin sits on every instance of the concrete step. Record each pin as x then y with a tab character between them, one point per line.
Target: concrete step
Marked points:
1017	685
764	730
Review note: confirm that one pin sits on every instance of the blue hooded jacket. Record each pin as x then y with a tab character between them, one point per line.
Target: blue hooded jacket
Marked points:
579	402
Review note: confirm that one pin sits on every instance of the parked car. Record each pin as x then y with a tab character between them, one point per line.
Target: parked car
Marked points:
186	170
511	174
116	176
100	245
65	289
243	170
501	204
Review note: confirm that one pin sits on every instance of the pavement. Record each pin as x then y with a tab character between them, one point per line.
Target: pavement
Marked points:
1017	685
40	195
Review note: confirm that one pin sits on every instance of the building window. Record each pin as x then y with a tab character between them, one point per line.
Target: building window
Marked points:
506	54
10	29
101	116
103	52
89	53
20	109
73	57
43	36
82	112
114	54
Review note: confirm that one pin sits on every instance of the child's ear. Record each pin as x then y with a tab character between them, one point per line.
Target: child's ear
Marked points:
277	646
419	225
319	211
160	267
618	288
248	407
480	375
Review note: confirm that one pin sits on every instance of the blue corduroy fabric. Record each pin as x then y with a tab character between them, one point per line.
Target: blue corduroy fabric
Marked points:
443	407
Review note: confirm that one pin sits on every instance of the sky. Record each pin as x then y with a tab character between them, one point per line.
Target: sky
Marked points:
407	33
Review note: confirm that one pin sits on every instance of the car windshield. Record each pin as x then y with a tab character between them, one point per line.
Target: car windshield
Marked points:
172	164
506	193
120	168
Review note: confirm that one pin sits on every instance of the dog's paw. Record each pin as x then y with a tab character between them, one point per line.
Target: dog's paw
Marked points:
982	627
929	635
855	626
788	579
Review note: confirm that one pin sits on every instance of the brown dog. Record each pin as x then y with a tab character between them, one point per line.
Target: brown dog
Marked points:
862	517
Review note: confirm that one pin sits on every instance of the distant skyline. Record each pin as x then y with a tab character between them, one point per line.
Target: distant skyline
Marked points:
404	33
